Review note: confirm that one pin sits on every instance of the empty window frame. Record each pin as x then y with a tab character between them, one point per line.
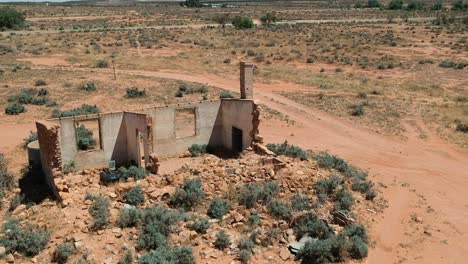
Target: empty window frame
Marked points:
88	135
185	122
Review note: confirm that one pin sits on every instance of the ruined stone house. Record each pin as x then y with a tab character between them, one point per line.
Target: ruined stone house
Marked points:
130	137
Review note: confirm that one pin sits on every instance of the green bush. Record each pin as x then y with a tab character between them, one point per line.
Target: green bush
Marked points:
223	240
102	64
326	187
459	5
313	226
288	150
415	5
63	252
133	171
226	95
99	210
452	64
68	167
358	110
11	18
40	82
344	200
7	180
166	255
300	202
316	252
27	240
356	230
358	249
15	109
200	226
269	18
253	219
242	22
192	3
244	256
362	186
42	92
269	190
135	92
279	210
197	150
249	194
374	4
188	195
179	94
395	5
32	137
84	109
462	127
129	217
326	160
135	196
246	244
89	87
218	208
16	201
84	138
127	258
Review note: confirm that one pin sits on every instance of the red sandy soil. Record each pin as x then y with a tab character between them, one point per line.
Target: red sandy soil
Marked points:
424	180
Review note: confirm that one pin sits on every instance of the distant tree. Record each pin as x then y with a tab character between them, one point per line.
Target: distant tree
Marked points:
242	22
437	6
459	5
269	18
395	5
374	4
221	19
415	5
192	3
11	18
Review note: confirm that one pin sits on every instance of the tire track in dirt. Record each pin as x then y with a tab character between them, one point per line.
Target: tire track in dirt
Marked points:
430	168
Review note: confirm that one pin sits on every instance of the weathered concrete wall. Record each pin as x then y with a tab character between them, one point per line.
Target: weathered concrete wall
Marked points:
114	137
48	134
208	126
237	113
136	122
246	80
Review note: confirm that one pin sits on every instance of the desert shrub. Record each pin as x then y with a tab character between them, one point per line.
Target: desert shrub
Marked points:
68	167
102	64
370	195
459	5
326	187
415	5
27	240
358	110
356	230
279	210
251	52
16	201
127	258
300	202
15	109
374	4
223	240
84	109
7	180
227	60
452	64
269	190
84	138
249	194
462	127
32	137
395	5
197	150
192	3
167	255
313	226
156	224
200	225
244	256
288	150
99	210
218	208
133	171
242	22
40	82
246	244
226	94
135	92
358	249
326	160
316	252
188	195
129	217
42	92
179	94
437	6
135	196
63	252
269	18
11	18
344	200
88	87
361	185
253	219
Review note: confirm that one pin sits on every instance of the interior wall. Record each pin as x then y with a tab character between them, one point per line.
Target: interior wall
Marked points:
134	122
237	113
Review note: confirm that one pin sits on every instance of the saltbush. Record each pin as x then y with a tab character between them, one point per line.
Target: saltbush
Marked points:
200	225
88	87
15	109
288	150
242	22
129	217
84	138
26	240
344	200
133	171
102	64
11	18
188	195
313	226
167	255
226	94
99	210
223	240
135	196
279	210
40	82
249	194
218	208
326	187
300	202
197	150
462	127
135	92
84	109
395	5
63	252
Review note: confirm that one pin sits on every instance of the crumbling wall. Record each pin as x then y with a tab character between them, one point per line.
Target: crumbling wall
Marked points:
240	114
49	143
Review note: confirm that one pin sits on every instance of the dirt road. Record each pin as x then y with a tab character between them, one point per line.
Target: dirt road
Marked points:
424	180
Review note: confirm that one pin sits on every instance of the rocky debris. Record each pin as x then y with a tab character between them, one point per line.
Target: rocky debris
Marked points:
10	258
262	150
284	254
153	164
341	218
2	252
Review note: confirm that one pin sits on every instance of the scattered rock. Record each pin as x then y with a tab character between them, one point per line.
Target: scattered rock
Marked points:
284	254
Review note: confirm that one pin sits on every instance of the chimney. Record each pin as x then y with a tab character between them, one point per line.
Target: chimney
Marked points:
246	80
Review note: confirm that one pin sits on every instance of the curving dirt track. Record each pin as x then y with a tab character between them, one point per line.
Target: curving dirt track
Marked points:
424	180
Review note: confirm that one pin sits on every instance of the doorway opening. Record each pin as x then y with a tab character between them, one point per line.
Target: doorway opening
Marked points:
236	140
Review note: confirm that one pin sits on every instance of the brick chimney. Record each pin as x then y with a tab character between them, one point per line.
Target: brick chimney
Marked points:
246	80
